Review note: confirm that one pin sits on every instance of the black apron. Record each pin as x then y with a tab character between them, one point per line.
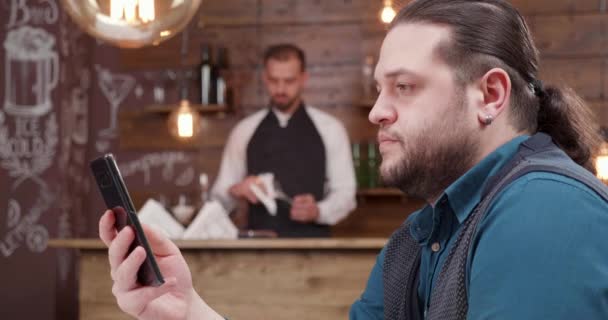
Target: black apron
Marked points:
296	156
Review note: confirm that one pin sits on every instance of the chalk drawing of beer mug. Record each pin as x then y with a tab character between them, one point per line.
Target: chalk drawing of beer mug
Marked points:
31	71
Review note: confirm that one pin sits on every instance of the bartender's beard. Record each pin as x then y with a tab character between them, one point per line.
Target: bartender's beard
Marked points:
284	106
433	158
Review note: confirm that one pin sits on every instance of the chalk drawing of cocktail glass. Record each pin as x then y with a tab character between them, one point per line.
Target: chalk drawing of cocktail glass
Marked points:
31	71
115	87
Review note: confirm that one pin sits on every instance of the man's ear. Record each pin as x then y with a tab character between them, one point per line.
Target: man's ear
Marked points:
495	87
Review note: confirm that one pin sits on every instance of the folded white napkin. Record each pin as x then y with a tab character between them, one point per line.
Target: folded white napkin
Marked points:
211	222
267	198
153	213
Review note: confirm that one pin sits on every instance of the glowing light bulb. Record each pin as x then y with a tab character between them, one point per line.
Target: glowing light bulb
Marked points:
184	122
146	10
132	23
388	13
185	127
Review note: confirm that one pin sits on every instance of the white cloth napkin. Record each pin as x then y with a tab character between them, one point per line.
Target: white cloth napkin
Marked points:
267	198
153	213
211	222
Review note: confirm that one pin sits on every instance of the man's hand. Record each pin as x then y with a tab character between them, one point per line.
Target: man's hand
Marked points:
304	208
175	299
243	191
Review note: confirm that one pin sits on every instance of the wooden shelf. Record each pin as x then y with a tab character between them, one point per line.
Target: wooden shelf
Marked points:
137	126
375	192
167	108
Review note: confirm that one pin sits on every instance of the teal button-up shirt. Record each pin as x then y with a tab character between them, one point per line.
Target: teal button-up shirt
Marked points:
540	253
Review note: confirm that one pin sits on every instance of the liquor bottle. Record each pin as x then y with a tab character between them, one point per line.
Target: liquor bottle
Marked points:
208	77
224	91
360	169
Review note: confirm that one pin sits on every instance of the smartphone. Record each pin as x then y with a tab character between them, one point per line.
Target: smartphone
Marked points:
115	194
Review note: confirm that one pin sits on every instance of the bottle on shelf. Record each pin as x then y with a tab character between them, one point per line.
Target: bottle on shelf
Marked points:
360	169
224	91
208	75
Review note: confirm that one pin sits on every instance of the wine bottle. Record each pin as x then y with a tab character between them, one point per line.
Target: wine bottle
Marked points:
208	77
360	169
224	92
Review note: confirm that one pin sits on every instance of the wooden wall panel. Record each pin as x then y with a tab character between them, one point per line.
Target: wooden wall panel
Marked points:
569	35
319	11
355	120
148	131
337	35
323	44
333	86
227	13
583	75
248	85
242	43
372	34
604	84
549	7
600	109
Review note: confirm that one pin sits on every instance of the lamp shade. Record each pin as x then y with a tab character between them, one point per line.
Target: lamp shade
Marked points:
131	23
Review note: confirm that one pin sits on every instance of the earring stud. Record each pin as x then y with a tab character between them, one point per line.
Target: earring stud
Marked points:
488	120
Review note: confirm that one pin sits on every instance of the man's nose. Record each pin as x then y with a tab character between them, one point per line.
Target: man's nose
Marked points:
383	112
281	88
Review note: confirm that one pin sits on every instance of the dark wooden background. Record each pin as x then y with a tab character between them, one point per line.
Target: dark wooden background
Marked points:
336	34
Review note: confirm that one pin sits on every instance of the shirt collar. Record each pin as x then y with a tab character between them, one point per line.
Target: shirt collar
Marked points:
464	194
284	117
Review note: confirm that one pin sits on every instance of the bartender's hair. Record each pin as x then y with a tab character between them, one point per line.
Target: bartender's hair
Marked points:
488	34
285	51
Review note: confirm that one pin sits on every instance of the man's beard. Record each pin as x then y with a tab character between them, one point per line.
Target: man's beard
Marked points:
435	157
283	106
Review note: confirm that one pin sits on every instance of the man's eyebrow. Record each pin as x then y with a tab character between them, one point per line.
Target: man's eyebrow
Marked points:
395	73
399	71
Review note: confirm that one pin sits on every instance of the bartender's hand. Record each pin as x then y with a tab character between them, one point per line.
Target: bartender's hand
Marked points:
304	208
243	191
175	299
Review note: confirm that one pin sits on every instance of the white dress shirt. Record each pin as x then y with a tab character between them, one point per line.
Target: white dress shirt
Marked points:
340	183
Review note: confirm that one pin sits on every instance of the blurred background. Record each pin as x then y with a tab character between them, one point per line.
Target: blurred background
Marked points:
85	96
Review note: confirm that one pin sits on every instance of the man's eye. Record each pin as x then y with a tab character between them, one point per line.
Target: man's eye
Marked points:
404	87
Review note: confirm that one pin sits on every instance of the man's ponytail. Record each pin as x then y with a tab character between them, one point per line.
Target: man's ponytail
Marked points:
564	116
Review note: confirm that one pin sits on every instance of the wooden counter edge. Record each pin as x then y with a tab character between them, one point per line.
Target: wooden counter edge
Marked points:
240	244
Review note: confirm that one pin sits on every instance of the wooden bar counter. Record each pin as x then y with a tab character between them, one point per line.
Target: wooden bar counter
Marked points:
249	278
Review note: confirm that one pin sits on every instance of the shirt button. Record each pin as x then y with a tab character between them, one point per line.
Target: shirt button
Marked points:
435	246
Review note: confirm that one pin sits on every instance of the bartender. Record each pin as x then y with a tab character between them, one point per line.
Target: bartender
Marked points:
305	149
